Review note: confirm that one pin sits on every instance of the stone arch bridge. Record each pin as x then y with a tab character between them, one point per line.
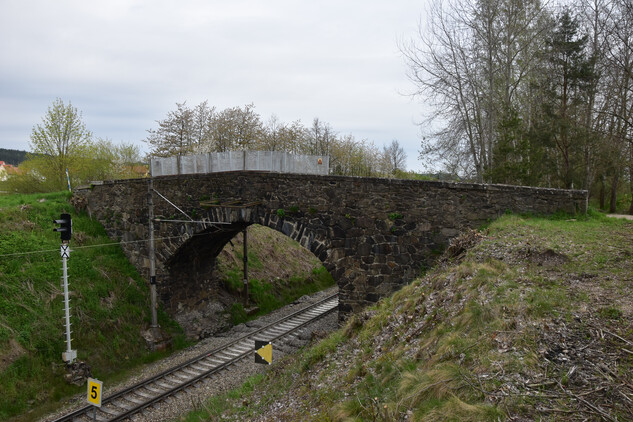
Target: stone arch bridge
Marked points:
373	235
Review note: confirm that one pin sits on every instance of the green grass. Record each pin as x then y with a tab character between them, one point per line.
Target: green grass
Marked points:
215	406
109	304
268	296
320	351
610	312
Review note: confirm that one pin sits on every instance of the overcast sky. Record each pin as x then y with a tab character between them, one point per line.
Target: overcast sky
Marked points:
125	63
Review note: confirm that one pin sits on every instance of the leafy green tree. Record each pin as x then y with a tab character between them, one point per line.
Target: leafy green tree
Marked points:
107	160
61	141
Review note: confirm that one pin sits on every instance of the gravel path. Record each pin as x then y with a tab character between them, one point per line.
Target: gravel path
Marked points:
225	380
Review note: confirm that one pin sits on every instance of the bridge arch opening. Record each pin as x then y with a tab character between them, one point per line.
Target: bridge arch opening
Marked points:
204	287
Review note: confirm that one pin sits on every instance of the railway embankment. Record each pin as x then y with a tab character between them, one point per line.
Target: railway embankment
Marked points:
529	319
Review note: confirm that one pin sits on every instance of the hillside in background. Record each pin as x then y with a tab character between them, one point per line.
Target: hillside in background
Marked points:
529	320
12	156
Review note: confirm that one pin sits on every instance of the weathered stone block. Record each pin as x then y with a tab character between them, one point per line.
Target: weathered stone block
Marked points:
364	249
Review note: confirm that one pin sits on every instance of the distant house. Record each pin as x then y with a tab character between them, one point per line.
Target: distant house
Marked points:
7	170
3	171
139	170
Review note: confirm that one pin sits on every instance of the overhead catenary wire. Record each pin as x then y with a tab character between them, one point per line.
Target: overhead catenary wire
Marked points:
213	224
172	204
99	245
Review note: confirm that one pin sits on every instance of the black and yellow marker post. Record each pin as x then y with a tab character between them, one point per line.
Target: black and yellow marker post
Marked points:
263	352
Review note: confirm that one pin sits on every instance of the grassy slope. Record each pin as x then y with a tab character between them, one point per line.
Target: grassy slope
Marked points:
533	323
109	300
109	303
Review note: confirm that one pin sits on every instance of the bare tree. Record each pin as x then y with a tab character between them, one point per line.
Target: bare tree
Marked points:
439	62
394	158
271	137
201	130
321	137
472	60
175	134
619	102
236	128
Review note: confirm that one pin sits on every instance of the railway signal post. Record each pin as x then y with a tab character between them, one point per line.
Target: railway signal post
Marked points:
152	261
65	230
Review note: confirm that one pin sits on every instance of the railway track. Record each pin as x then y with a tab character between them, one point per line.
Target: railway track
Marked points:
126	403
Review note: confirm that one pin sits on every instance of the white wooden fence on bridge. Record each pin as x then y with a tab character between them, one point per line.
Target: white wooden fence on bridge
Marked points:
273	161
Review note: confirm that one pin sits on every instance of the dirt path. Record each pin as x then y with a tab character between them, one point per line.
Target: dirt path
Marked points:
628	217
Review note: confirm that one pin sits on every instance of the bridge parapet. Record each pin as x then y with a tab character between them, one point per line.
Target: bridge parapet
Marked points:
373	235
215	162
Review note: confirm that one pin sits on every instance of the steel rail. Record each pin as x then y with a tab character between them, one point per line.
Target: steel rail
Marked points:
223	364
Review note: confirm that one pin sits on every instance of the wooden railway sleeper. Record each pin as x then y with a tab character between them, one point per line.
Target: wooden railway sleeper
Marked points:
181	377
125	406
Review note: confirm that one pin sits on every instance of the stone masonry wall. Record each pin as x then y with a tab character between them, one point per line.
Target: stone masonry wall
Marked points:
373	235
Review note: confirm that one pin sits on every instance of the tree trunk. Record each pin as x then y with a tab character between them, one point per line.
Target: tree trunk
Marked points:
631	185
614	193
602	193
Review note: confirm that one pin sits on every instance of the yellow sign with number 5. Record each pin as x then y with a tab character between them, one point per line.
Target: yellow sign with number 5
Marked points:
94	391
